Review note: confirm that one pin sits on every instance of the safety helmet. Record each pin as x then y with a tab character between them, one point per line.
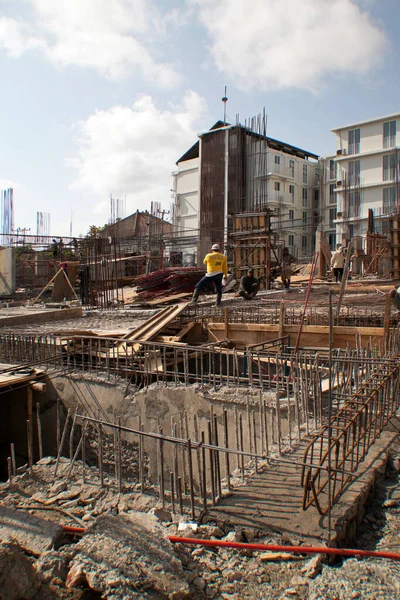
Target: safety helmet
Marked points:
215	247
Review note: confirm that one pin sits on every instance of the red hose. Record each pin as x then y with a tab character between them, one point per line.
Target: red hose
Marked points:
69	529
294	549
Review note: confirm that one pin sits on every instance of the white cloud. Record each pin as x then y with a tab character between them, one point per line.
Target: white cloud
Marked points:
16	38
276	44
132	150
114	37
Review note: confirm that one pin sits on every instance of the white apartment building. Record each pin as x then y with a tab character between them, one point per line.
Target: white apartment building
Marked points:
328	199
366	167
231	170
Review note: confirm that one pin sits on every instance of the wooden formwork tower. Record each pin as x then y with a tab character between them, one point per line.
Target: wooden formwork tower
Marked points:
253	242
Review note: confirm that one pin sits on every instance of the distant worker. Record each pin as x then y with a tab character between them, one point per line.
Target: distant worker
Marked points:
337	264
217	270
286	267
60	247
84	283
54	248
249	285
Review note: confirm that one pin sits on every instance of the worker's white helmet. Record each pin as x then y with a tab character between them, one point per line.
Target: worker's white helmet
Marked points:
215	247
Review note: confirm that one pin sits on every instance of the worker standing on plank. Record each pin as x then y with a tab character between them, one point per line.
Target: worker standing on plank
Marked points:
337	264
286	268
217	270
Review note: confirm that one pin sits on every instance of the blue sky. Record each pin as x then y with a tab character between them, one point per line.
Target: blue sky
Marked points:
101	97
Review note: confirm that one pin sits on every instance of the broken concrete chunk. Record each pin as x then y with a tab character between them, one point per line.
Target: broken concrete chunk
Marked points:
233	536
391	503
32	534
52	565
313	567
136	555
161	514
18	578
76	575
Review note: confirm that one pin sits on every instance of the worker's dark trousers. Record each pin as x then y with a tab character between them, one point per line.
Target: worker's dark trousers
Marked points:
205	282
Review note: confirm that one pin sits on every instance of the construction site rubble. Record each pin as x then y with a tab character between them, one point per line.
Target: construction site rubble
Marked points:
124	552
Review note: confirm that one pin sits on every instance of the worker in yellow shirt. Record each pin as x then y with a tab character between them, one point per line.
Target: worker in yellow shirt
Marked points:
217	269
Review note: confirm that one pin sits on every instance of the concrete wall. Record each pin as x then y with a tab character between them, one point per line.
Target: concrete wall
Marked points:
159	406
7	271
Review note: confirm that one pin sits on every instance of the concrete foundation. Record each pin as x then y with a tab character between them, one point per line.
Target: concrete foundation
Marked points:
19	315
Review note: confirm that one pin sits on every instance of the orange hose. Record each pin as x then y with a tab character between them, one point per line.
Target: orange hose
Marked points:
294	549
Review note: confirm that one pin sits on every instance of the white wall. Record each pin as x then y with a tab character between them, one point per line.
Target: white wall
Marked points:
187	194
371	135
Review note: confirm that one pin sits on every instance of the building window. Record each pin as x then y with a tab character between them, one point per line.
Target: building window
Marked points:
305	218
304	242
332	216
291	240
305	174
332	240
316	198
389	167
305	197
277	186
351	230
277	159
291	215
354	203
291	192
291	168
389	200
389	134
354	172
332	169
354	141
332	193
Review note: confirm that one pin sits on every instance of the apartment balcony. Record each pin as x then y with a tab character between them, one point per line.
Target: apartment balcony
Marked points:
275	170
280	198
389	141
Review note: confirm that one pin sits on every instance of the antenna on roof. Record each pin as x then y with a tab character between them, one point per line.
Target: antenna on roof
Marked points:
225	100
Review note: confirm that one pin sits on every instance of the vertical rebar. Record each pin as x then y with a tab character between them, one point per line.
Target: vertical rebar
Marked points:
64	434
191	489
172	485
241	445
212	474
13	461
39	430
226	444
30	444
204	470
179	490
100	452
162	483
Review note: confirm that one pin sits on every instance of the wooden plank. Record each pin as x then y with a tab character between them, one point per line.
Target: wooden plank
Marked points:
155	324
165	299
185	330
